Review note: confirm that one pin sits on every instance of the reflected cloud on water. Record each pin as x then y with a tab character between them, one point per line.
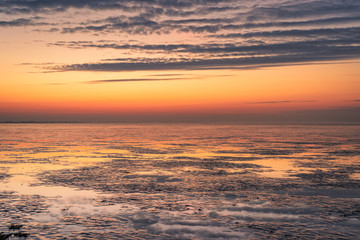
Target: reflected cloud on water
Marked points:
158	181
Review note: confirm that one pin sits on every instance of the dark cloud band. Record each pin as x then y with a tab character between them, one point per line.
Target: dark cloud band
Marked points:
230	33
220	63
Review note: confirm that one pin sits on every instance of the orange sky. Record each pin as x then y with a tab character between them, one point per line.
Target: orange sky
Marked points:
39	79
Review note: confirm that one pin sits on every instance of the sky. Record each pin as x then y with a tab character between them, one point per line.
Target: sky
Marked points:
180	60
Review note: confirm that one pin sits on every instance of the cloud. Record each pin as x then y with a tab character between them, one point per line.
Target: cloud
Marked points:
143	17
37	64
301	9
229	33
319	40
257	9
166	75
314	33
156	77
143	26
21	22
157	6
277	102
202	64
312	22
134	80
127	24
212	56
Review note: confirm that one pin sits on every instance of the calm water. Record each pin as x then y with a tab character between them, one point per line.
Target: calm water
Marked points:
173	181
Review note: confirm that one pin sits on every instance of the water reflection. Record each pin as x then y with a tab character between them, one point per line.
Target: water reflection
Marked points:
111	181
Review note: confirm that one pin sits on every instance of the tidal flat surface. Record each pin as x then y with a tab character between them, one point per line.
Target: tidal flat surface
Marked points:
179	181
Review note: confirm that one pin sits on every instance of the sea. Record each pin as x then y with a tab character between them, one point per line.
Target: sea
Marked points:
179	181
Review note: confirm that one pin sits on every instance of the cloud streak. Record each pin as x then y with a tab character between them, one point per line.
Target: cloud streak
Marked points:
133	80
280	102
20	22
252	56
223	34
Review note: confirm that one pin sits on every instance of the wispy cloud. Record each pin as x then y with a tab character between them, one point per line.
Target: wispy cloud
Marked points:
309	38
286	58
133	80
229	33
20	22
313	33
279	102
148	8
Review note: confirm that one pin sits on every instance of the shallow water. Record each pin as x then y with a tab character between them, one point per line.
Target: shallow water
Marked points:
180	181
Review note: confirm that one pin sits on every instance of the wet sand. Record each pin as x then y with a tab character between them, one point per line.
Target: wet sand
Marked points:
172	181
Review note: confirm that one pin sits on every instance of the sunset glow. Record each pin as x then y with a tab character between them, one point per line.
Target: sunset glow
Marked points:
179	119
101	59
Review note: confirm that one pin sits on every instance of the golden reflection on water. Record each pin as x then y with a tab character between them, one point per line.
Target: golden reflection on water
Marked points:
192	172
66	146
